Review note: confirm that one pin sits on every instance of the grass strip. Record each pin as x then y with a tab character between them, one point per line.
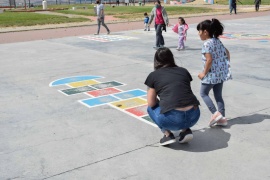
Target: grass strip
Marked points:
10	19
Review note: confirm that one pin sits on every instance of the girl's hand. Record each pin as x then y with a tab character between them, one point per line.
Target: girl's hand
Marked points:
201	75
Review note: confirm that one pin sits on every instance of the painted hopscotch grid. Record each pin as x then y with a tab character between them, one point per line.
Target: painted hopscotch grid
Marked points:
85	89
130	94
107	85
78	90
103	92
65	81
107	38
132	102
93	102
246	36
83	83
129	103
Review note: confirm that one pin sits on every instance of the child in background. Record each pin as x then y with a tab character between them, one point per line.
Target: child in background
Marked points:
146	20
182	32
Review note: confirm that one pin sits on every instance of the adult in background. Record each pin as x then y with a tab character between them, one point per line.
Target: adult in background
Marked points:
101	17
233	6
257	4
171	102
159	15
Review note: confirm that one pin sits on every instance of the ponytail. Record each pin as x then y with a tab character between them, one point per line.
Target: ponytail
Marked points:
214	27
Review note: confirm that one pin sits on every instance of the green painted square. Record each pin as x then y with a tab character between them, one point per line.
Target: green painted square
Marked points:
77	90
106	85
148	119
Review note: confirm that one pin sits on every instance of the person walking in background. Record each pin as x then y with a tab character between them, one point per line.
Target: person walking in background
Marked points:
101	17
182	33
146	20
216	60
257	4
233	6
177	108
160	17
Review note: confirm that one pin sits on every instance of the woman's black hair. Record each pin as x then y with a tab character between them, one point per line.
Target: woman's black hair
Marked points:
157	1
163	58
214	27
182	20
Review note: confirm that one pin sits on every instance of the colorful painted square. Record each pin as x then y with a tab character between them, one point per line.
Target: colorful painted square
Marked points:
148	119
99	100
130	94
129	103
83	83
138	111
107	85
102	92
77	90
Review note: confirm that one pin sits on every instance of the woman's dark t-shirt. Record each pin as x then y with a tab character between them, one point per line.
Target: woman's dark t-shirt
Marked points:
172	85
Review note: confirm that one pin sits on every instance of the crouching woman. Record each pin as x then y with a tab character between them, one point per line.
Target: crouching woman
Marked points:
171	102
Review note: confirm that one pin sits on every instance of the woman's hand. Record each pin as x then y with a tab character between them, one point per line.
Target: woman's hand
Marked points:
201	75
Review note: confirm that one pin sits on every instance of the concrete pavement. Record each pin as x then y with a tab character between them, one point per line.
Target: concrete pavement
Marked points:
51	129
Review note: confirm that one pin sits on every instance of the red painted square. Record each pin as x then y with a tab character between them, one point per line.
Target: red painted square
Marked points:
102	92
138	111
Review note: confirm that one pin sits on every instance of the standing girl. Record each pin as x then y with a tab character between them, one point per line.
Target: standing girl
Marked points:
216	70
182	32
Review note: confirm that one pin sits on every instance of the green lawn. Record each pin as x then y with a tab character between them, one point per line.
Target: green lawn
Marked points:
244	2
130	12
9	19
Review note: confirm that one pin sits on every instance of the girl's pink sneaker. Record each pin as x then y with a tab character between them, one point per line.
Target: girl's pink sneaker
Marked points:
222	122
215	118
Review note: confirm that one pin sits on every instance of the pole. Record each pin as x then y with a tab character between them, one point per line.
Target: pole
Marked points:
24	4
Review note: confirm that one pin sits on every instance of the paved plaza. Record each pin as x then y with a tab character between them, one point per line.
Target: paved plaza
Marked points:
75	108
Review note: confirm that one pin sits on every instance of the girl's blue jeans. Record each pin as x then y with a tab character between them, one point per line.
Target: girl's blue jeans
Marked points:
174	120
217	89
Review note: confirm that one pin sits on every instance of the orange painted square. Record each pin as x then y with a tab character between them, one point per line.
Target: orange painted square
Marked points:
102	92
138	111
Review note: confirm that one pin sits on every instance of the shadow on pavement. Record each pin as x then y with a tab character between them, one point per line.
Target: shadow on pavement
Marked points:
210	139
207	139
250	119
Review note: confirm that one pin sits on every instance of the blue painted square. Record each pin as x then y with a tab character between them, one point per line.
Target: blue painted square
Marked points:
130	94
99	100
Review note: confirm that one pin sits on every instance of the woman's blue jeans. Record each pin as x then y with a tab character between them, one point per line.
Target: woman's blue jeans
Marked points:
174	120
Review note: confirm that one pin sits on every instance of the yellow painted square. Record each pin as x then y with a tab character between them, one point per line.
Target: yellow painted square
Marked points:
129	103
83	83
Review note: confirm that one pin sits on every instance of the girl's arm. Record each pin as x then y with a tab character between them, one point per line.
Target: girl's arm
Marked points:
208	65
151	97
228	54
